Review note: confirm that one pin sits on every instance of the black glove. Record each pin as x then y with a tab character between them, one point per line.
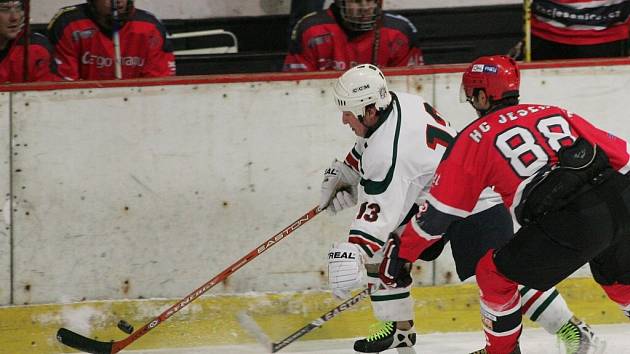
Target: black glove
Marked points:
394	271
433	251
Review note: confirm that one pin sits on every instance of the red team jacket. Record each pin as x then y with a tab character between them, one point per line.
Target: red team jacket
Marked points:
318	42
502	150
41	66
86	51
580	22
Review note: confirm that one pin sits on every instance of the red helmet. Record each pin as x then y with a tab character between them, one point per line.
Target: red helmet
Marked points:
497	75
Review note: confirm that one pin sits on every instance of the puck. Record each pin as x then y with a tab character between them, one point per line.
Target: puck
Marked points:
125	327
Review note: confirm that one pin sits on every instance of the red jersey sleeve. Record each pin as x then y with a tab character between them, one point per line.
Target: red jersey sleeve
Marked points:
67	62
40	63
66	54
401	47
304	61
42	66
615	148
160	58
407	56
308	38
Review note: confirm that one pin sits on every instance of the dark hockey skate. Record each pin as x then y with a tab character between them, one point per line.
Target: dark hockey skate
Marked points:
384	336
578	338
516	350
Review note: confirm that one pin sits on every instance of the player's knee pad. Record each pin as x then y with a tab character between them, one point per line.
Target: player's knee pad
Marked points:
497	291
501	315
619	293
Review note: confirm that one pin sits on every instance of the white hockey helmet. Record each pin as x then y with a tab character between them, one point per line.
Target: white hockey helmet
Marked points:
359	87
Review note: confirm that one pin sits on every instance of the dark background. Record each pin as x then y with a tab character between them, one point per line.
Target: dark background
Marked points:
446	36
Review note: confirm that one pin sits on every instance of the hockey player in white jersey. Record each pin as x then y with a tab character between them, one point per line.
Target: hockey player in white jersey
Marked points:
400	141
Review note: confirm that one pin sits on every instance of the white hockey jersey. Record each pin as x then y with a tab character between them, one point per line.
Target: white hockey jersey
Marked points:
395	163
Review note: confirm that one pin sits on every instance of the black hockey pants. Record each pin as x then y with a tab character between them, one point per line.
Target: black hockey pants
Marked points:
594	226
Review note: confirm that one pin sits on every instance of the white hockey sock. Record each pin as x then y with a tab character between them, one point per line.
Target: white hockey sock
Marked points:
392	304
548	309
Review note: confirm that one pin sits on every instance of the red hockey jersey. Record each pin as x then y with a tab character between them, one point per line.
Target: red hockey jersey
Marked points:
580	22
41	66
318	42
86	51
501	150
506	147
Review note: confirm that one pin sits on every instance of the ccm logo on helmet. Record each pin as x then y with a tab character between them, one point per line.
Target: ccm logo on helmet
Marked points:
337	255
361	88
482	68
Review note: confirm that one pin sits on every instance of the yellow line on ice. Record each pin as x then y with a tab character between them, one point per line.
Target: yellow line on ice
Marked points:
211	320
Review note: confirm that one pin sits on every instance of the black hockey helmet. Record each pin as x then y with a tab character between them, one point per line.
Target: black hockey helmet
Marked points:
107	20
130	5
359	15
20	2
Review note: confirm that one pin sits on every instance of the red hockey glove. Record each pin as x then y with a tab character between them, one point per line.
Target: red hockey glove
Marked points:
394	271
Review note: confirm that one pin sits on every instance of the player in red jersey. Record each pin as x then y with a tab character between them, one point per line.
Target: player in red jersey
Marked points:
343	36
12	35
82	36
564	180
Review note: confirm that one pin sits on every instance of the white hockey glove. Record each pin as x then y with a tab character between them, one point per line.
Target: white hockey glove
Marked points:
339	187
345	269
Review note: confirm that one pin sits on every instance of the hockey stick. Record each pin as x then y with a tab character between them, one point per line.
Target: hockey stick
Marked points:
249	323
116	40
377	31
27	39
89	345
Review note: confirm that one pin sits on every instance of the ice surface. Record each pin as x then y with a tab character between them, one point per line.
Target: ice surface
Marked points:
533	341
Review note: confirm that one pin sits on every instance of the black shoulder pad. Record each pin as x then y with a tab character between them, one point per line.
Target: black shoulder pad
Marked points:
402	24
145	16
140	15
41	40
306	22
63	18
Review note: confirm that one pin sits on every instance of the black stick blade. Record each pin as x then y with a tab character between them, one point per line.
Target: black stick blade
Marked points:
84	344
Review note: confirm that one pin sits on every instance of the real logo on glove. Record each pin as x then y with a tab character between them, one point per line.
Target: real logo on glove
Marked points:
341	255
330	171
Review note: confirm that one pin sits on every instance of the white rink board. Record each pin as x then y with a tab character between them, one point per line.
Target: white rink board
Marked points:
128	192
147	192
599	94
5	208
